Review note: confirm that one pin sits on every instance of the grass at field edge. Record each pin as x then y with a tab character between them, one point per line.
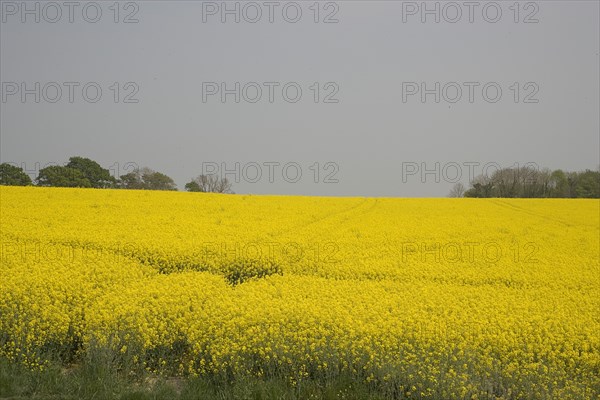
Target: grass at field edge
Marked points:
101	381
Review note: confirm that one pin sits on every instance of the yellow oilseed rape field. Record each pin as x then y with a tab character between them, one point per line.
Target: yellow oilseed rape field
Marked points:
425	298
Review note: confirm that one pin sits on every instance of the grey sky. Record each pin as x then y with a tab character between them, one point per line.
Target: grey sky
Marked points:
368	54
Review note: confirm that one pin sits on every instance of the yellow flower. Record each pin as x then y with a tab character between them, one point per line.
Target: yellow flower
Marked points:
442	297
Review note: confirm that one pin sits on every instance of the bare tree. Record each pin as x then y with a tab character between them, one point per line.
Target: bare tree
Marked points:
209	184
458	190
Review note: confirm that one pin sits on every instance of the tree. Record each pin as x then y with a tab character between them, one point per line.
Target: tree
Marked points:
99	177
132	180
11	175
531	182
193	186
56	175
157	181
506	182
481	186
148	179
588	185
209	184
572	182
458	190
559	186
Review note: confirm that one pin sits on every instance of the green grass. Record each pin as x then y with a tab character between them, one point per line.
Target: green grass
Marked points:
99	379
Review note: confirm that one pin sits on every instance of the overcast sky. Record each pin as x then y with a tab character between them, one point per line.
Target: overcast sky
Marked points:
348	101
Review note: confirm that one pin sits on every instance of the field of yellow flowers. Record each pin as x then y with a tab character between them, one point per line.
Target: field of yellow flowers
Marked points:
429	298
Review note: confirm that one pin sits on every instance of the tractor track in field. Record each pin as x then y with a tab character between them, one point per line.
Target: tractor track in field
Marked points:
343	212
505	204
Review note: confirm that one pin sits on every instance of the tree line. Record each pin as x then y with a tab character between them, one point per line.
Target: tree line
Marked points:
83	172
523	182
529	182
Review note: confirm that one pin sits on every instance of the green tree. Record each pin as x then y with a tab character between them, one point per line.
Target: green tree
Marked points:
529	182
56	175
147	179
572	182
482	190
158	181
11	175
132	180
559	186
588	184
99	177
192	186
